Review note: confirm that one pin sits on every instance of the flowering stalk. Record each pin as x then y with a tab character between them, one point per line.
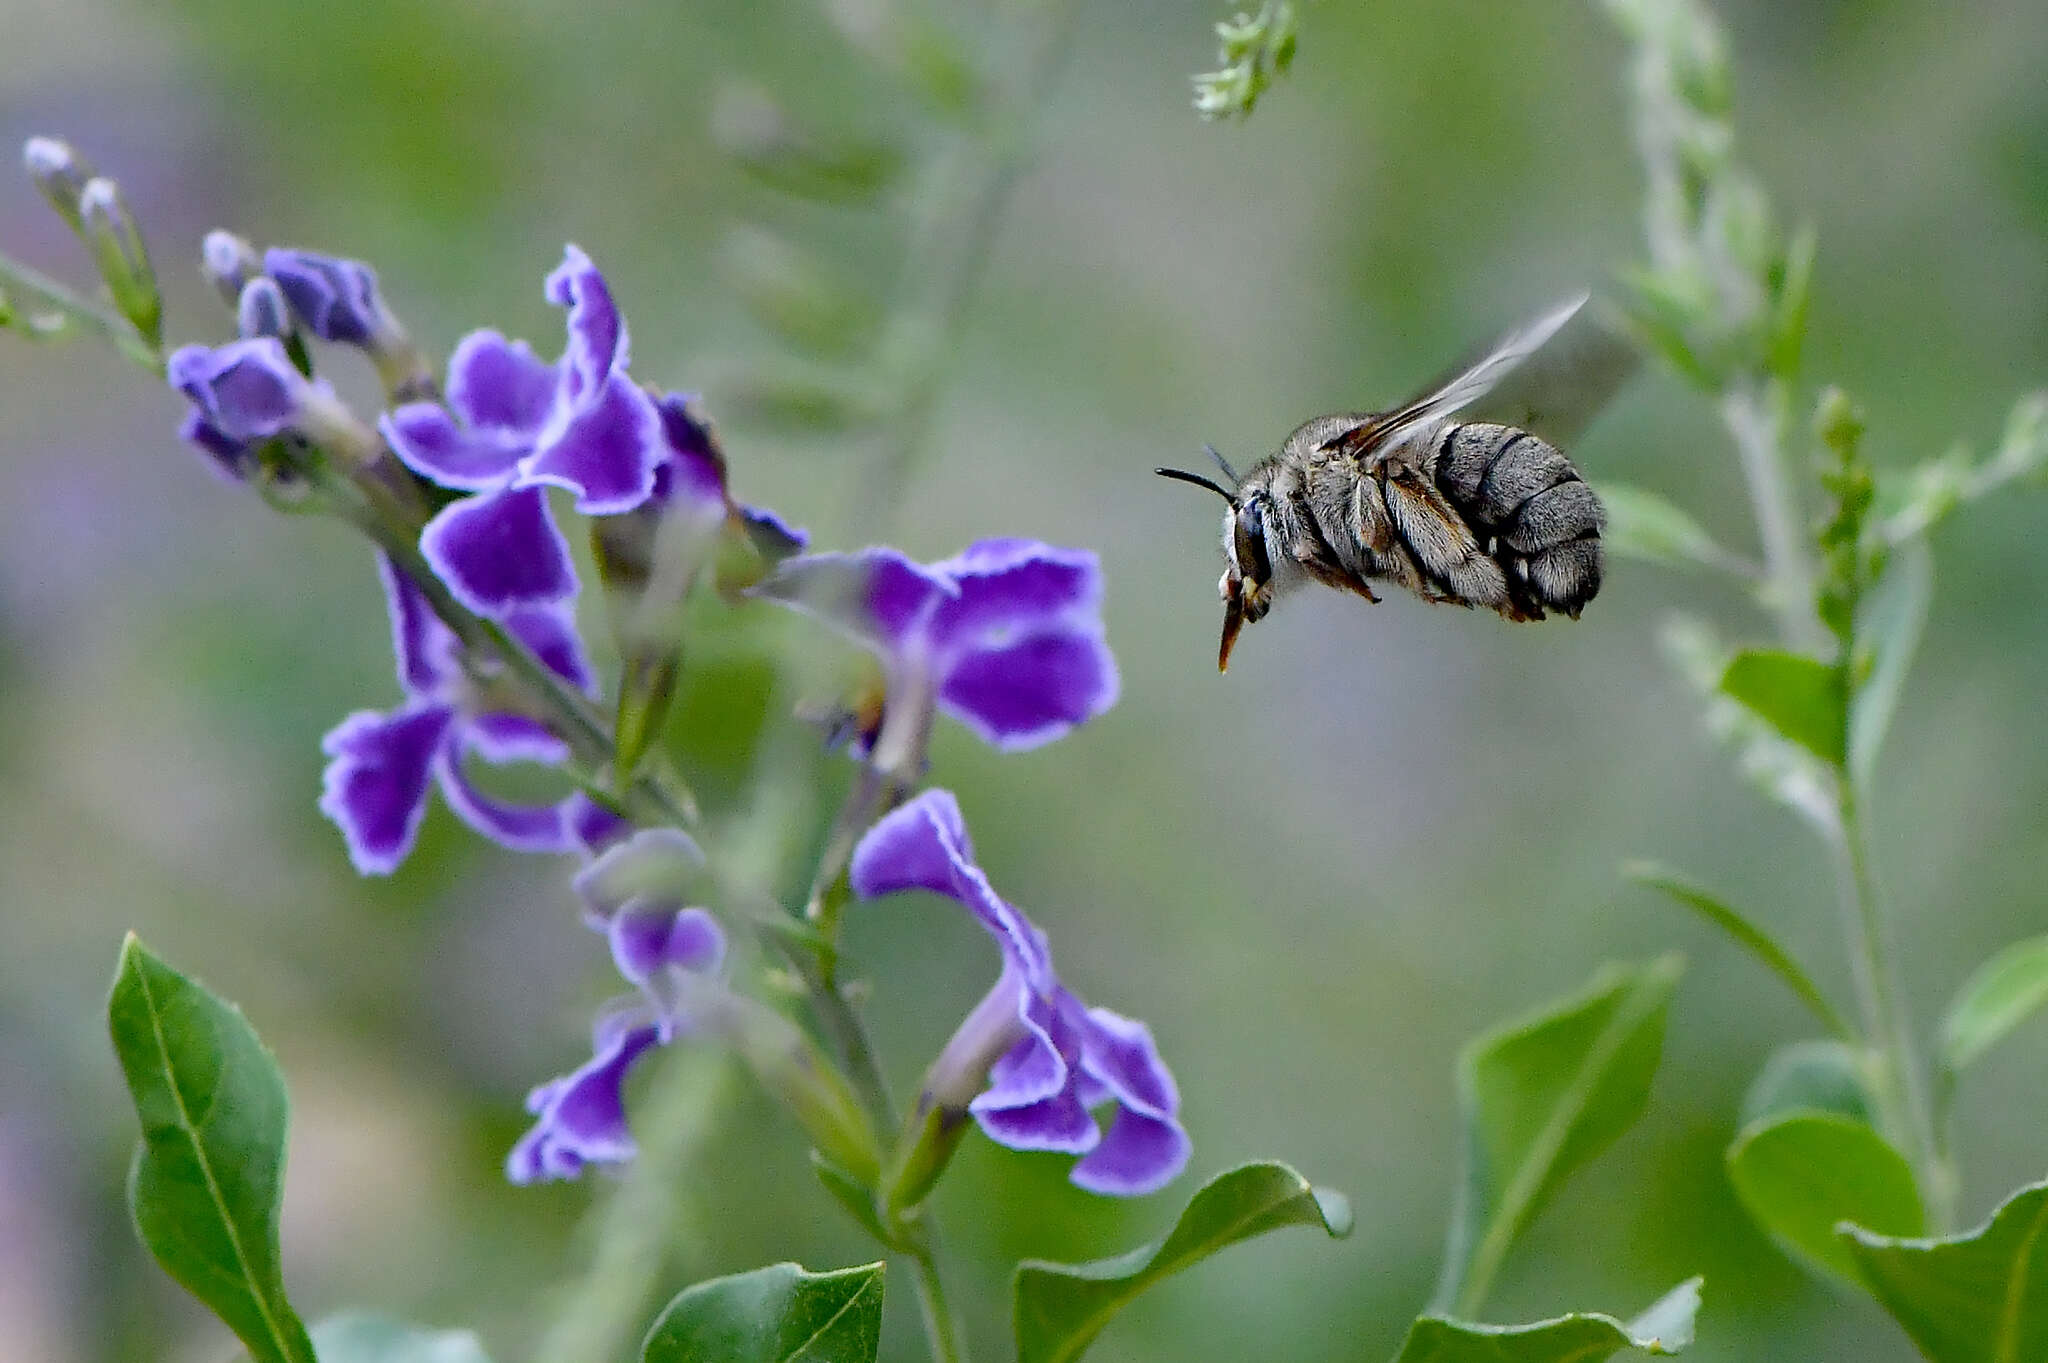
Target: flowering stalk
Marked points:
1724	299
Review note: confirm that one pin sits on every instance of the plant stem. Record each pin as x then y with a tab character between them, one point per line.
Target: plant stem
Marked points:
1754	410
942	1324
1902	1096
40	291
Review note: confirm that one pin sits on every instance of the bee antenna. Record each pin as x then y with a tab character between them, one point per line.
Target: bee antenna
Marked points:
1224	464
1198	480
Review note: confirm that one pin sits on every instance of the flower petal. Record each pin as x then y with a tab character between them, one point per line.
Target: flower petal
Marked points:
597	334
1119	1051
501	386
515	827
604	450
500	551
919	845
923	845
1140	1155
549	633
1014	587
424	647
695	469
335	299
501	737
875	597
582	1115
230	458
1039	1064
654	945
375	788
1032	691
1057	1123
434	445
247	390
593	827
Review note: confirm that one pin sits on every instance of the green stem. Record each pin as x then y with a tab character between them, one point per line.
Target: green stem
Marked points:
1754	410
1902	1096
942	1324
47	294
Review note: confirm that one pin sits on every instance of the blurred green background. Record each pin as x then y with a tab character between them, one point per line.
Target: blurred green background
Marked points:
1384	830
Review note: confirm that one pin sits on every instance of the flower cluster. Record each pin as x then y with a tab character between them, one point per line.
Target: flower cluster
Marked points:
1007	637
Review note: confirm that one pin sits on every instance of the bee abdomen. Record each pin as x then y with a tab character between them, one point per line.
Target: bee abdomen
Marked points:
1524	499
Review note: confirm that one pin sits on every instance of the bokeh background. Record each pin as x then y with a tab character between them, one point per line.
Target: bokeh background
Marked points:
1383	831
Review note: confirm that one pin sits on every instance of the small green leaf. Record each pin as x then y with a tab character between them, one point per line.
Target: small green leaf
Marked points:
2006	990
1582	1337
1893	621
779	1314
1745	933
363	1338
1061	1308
1802	1174
1801	697
1809	1076
1979	1297
1541	1097
852	1195
1643	524
205	1185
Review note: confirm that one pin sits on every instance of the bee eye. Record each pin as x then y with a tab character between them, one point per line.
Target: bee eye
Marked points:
1250	542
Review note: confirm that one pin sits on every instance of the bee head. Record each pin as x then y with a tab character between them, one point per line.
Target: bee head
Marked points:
1249	572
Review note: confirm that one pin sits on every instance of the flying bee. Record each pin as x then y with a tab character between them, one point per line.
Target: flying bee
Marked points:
1468	513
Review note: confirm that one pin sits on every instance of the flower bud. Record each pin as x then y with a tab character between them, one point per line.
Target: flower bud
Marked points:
60	173
117	249
229	262
262	311
337	300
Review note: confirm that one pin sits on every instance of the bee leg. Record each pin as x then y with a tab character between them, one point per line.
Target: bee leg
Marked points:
1329	574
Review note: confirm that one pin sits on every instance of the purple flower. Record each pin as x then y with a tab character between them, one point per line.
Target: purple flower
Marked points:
632	895
514	424
1045	1058
376	784
246	392
335	299
1006	637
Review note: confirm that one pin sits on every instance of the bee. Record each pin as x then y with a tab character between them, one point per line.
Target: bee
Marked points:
1468	513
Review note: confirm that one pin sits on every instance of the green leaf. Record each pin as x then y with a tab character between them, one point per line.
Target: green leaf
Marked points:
1582	1337
779	1314
358	1337
1979	1297
1745	933
1809	1076
1800	697
1802	1174
851	1194
1061	1308
205	1185
1541	1096
1643	524
1893	621
2005	991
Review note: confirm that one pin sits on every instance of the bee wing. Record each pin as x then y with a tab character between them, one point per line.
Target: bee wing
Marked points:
1465	386
1558	390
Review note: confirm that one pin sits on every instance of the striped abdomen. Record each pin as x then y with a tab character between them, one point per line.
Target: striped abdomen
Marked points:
1529	507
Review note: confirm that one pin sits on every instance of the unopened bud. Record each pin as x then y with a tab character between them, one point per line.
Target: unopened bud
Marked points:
117	249
1837	422
60	173
262	310
229	262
